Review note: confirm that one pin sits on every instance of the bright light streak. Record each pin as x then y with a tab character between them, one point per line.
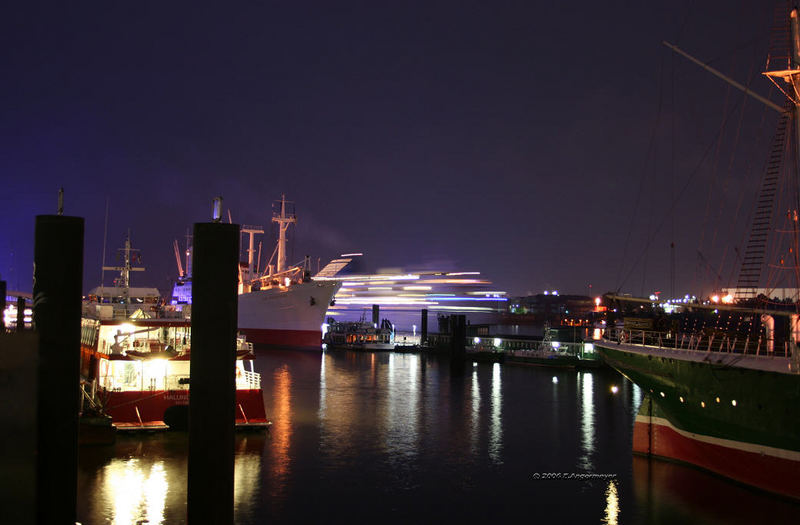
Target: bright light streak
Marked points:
416	287
351	254
463	273
464	308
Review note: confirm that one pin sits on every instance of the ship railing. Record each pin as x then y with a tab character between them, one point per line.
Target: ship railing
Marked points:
699	342
248	380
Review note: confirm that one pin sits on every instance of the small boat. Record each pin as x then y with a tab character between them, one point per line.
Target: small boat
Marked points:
360	335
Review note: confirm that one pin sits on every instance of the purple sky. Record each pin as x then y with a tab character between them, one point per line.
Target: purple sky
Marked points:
505	137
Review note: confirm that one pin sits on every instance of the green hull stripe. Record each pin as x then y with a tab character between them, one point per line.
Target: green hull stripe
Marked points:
755	406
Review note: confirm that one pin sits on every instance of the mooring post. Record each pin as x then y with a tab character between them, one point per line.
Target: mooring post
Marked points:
57	283
3	296
459	336
423	336
20	314
212	391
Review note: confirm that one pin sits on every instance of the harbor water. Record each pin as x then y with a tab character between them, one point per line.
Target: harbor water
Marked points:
401	437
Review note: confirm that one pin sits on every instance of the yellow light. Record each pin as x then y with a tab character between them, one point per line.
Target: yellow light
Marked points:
126	328
681	398
728	299
733	402
703	404
614	389
662	394
715	298
717	400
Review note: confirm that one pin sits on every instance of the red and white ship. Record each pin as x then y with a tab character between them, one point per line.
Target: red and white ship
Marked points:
280	306
135	359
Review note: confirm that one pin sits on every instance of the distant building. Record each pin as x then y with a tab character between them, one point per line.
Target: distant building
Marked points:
554	308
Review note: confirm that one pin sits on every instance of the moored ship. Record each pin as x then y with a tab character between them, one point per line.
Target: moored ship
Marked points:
135	358
281	306
721	377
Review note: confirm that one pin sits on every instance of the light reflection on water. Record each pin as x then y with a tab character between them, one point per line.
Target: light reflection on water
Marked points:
135	491
475	412
587	420
410	438
612	504
496	427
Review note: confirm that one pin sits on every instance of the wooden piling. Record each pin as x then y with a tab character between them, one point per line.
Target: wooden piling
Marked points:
20	314
212	392
423	337
57	283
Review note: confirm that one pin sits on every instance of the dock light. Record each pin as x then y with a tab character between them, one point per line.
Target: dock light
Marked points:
555	380
555	344
727	299
497	341
597	301
703	404
733	402
476	340
662	394
614	389
681	398
717	400
715	298
474	363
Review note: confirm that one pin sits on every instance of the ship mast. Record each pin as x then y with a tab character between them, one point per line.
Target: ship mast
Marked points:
283	224
792	76
252	231
126	269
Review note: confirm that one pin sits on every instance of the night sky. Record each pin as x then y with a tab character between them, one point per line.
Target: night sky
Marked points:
536	142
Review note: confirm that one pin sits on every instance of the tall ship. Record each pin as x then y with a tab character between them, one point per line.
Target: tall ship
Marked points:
280	305
135	358
722	375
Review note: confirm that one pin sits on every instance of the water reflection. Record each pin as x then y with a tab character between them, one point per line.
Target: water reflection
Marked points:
475	412
496	427
401	418
586	384
142	479
136	493
419	441
637	396
611	516
281	426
